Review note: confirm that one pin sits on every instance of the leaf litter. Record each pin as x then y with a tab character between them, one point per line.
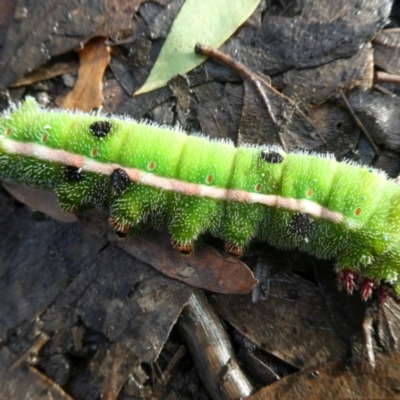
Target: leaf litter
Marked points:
372	15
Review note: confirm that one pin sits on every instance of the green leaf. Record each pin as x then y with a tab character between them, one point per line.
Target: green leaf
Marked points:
209	22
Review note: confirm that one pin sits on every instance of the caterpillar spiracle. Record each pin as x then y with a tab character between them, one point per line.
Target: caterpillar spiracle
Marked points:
146	173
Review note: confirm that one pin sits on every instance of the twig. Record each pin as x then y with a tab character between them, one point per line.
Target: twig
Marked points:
120	42
244	72
218	367
37	344
359	123
384	90
384	77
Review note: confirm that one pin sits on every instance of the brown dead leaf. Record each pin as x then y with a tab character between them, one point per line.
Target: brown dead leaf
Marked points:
53	68
293	324
387	50
380	116
111	367
8	9
26	382
206	267
126	300
37	31
292	128
40	257
40	200
87	94
316	85
336	126
337	381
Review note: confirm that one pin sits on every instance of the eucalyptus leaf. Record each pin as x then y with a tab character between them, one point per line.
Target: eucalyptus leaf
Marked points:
210	22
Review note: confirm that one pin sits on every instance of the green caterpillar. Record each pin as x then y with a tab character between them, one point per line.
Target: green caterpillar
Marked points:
146	173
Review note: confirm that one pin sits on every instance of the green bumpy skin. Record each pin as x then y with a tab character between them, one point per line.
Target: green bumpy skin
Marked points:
365	239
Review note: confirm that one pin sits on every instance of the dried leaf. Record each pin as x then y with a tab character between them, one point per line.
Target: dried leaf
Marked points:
334	32
126	300
87	95
380	116
336	380
205	268
316	85
40	200
207	22
49	70
26	383
40	257
387	50
293	325
41	30
111	367
256	127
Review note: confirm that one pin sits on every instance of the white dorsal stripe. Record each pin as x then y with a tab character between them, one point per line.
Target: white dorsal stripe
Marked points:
149	179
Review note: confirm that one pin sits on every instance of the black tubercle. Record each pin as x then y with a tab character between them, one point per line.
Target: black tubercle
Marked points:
119	180
100	129
271	157
72	174
302	224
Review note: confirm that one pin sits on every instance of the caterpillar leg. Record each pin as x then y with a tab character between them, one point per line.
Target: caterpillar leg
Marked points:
239	227
369	270
133	205
119	227
232	249
183	248
346	279
351	265
192	217
367	287
383	273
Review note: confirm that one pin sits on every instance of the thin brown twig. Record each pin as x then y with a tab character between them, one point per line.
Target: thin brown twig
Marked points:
177	357
384	77
384	90
244	72
119	42
359	123
37	344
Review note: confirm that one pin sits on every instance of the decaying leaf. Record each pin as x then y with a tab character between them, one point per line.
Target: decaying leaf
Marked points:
126	300
86	95
387	50
380	116
316	85
206	267
294	311
47	71
40	200
29	381
40	258
36	31
210	22
337	381
111	367
293	125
